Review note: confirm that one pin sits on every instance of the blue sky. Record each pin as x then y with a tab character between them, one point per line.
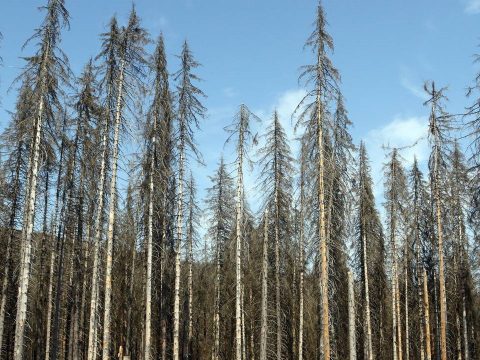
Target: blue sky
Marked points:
251	51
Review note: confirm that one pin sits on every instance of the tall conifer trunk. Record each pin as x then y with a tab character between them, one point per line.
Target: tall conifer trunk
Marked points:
264	300
352	339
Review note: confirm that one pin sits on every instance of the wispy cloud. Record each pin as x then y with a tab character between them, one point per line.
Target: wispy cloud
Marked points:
414	88
472	7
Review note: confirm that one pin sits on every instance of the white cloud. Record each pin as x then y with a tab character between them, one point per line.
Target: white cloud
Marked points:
472	7
408	134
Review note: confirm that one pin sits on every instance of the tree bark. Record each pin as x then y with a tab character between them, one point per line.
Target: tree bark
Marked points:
93	317
216	315
27	231
238	250
176	304
465	330
407	332
190	286
148	287
277	271
441	266
426	306
352	339
111	219
368	320
11	231
325	318
264	324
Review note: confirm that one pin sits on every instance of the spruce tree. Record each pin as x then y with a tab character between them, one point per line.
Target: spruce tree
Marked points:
220	204
439	128
369	261
240	131
189	113
276	172
47	69
324	77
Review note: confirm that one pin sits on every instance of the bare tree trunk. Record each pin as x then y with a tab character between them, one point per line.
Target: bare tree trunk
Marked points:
277	274
368	320
128	342
163	257
111	219
93	317
252	329
465	330
263	328
459	340
244	343
407	340
11	225
352	339
81	335
301	294
148	287
426	306
399	318
6	274
31	190
216	315
322	235
441	266
176	304
419	287
238	254
394	316
190	292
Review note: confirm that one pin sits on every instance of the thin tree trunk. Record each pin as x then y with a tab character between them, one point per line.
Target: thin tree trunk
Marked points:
6	275
407	340
190	287
437	320
397	326
277	273
176	304
426	306
352	339
27	231
419	280
459	340
368	320
216	315
163	257
301	285
93	317
263	328
441	266
81	335
399	322
148	287
238	253
252	329
394	316
111	220
128	342
11	231
244	350
322	232
465	330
